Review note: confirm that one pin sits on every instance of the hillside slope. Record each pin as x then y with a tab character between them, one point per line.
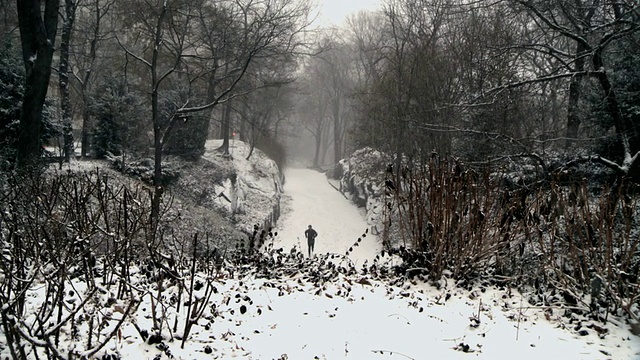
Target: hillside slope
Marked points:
246	192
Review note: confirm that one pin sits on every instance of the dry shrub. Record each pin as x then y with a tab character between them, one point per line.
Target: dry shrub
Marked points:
59	230
544	234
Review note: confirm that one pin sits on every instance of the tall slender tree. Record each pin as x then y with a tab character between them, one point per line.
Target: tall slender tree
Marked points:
70	7
92	29
38	22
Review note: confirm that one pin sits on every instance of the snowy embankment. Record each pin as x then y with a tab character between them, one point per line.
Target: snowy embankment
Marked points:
362	182
251	191
245	191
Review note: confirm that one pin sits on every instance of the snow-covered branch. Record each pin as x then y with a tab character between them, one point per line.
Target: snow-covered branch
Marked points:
546	78
555	25
130	53
117	328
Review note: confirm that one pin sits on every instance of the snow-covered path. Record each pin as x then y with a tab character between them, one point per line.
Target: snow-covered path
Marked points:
310	200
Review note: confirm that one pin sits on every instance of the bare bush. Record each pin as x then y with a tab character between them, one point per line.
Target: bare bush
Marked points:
80	256
76	234
560	237
446	213
590	245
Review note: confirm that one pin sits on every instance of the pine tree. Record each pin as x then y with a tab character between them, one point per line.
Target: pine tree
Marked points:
11	92
118	126
12	79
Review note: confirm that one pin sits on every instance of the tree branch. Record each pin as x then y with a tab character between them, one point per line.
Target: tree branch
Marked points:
137	57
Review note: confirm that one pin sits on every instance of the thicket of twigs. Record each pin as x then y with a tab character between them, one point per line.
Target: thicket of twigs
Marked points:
81	262
561	237
69	243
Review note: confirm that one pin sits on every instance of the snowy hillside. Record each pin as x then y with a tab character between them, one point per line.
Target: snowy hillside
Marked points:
246	192
251	190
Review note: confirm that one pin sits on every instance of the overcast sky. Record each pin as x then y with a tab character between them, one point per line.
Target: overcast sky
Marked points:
334	12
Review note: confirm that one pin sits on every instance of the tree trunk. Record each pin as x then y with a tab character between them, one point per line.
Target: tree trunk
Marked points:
86	121
157	127
224	129
243	121
575	90
38	35
63	77
157	168
86	84
254	136
318	136
326	144
623	126
399	134
337	144
211	96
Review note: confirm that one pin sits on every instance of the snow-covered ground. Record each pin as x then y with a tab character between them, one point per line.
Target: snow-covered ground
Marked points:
316	312
310	200
293	319
409	322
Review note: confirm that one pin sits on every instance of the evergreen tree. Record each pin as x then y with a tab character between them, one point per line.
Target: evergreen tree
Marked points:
117	113
12	79
188	135
11	92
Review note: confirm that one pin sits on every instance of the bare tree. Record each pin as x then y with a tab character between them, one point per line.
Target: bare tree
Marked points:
255	30
163	26
593	27
370	43
218	58
38	21
412	29
70	8
267	105
313	109
91	32
425	72
337	80
166	48
367	37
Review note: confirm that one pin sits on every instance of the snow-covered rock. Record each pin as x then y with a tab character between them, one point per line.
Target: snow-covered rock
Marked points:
362	181
250	190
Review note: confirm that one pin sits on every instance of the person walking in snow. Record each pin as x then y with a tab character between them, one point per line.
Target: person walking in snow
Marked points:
310	234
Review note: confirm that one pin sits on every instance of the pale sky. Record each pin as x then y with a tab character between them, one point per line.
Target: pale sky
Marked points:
334	12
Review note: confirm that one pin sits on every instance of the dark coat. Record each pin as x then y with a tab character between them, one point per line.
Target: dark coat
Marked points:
310	234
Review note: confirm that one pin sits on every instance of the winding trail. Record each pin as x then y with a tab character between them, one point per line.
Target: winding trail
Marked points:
310	200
